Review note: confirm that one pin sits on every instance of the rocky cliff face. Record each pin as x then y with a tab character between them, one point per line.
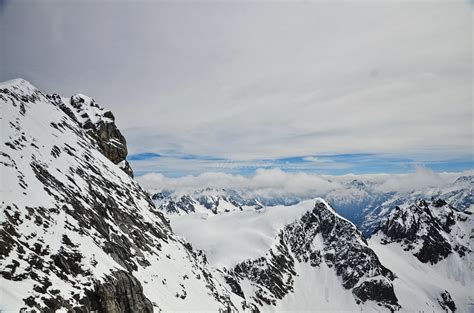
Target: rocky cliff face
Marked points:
99	124
121	292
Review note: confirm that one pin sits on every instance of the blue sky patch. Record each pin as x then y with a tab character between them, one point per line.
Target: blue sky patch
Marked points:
335	164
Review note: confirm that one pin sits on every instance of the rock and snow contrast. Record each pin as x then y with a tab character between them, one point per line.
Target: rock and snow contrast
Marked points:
79	234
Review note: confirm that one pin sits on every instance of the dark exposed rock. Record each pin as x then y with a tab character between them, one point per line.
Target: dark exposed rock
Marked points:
101	127
376	290
125	166
446	302
122	293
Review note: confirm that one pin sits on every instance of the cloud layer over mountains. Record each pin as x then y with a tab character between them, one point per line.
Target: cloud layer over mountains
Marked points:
276	183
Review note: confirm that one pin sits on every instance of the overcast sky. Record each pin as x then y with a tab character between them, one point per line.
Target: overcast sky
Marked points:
236	86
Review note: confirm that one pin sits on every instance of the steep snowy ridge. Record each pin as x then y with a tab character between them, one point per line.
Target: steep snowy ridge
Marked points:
428	245
77	232
327	242
459	194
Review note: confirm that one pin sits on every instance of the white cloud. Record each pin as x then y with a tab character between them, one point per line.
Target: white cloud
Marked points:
276	183
421	179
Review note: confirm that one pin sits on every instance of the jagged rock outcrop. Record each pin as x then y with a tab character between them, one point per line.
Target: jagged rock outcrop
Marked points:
121	292
446	302
428	245
431	230
99	124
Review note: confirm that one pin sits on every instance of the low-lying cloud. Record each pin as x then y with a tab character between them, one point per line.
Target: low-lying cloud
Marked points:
277	183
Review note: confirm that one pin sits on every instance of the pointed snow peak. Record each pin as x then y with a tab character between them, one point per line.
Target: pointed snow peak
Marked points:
320	239
19	84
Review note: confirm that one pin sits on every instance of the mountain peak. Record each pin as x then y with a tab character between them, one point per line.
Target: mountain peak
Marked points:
430	229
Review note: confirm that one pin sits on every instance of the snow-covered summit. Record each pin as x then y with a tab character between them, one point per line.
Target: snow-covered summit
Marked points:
266	254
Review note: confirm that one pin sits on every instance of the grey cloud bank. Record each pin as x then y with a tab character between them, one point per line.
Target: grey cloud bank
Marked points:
248	81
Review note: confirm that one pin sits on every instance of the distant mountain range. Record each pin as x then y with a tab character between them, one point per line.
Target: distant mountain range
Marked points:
79	234
360	200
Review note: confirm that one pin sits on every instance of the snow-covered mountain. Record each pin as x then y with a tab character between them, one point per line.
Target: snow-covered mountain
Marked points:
79	234
459	194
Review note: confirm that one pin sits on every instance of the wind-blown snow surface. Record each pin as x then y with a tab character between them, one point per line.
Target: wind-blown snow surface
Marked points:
71	219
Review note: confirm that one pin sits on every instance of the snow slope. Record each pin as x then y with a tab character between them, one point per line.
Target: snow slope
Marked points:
268	255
